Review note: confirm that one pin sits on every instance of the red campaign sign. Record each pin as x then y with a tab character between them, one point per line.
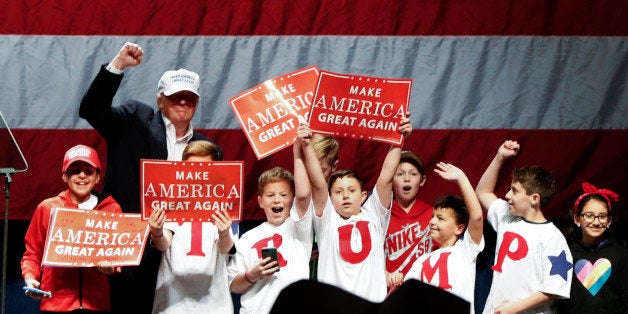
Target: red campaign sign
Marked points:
360	107
191	191
269	113
83	238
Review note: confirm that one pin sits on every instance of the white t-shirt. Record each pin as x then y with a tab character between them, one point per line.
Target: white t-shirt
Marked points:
457	265
534	258
293	240
192	276
351	251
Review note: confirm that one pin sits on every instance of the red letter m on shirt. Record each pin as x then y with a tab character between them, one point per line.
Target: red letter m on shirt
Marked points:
428	272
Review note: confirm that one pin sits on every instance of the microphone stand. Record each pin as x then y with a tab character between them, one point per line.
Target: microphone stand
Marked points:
14	155
7	193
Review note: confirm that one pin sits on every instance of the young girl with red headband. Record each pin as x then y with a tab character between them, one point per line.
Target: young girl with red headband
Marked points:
600	283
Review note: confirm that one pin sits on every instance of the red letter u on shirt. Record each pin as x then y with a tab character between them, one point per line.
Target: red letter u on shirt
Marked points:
344	236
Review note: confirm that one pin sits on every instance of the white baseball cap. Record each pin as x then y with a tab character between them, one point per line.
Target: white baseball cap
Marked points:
175	81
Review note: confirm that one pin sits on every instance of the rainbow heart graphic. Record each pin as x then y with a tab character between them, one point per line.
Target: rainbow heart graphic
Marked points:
593	276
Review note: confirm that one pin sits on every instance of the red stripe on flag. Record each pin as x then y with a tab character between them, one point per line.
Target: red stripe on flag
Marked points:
314	17
597	156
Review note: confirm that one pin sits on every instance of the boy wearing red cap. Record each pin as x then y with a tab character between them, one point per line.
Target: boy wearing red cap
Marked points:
72	288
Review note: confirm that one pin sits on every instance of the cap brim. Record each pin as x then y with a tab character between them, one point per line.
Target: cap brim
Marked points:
85	160
175	90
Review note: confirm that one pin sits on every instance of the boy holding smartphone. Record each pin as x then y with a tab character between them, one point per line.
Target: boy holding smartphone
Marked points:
288	229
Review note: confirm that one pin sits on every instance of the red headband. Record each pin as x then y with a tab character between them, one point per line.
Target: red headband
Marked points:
589	189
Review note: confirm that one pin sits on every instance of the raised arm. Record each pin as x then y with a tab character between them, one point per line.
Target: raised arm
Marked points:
314	171
485	189
96	104
302	190
453	173
385	179
129	55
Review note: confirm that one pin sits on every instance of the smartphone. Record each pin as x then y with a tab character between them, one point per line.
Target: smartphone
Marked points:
38	292
270	252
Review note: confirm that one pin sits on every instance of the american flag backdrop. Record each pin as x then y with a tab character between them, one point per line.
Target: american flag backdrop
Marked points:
549	74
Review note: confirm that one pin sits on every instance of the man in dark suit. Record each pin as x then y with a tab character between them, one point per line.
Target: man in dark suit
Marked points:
135	131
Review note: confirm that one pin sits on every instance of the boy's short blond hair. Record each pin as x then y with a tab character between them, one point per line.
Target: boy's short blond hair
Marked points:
536	180
272	175
201	149
325	147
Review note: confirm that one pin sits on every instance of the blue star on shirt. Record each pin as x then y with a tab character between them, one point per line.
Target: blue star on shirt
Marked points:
560	265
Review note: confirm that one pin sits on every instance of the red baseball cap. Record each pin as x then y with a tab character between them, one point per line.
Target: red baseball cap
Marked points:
81	153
